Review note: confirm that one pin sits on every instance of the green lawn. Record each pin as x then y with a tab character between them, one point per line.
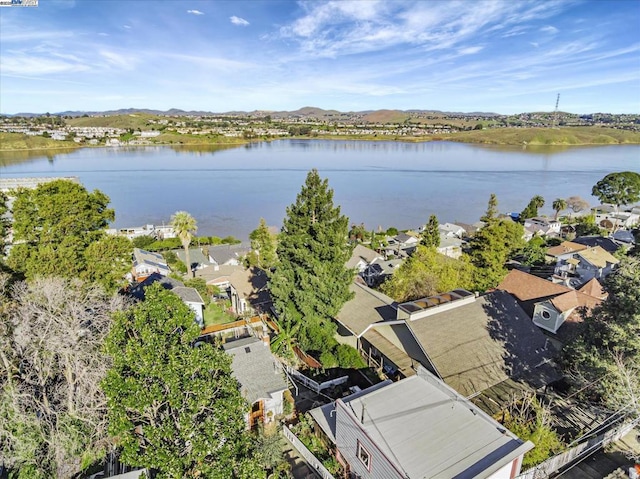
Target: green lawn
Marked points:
215	314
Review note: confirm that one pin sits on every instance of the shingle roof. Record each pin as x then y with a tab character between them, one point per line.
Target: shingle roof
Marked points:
141	256
598	257
427	430
477	345
218	274
226	252
594	289
361	253
565	301
255	368
605	243
365	308
565	247
166	282
187	294
525	286
195	256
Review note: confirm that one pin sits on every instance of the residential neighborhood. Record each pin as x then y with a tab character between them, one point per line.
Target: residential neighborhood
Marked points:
428	386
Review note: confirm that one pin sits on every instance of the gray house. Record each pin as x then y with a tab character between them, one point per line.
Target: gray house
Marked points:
418	428
260	378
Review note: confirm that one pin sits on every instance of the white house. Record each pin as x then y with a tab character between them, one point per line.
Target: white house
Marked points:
543	226
419	428
260	378
145	263
362	257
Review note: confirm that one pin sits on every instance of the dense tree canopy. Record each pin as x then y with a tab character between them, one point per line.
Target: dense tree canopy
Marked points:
108	260
310	283
618	188
609	338
173	406
52	410
53	225
428	272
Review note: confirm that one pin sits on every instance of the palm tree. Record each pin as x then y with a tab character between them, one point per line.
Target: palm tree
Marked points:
559	204
184	225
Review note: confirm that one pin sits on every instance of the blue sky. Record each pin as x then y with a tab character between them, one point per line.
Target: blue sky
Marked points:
470	55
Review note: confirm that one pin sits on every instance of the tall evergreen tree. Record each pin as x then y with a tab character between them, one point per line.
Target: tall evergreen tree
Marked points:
431	233
492	245
173	406
310	283
264	245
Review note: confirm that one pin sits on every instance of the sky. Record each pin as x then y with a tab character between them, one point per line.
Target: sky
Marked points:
472	55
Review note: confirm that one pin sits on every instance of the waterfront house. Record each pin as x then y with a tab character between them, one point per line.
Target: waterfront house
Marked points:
146	262
260	378
542	226
418	428
228	254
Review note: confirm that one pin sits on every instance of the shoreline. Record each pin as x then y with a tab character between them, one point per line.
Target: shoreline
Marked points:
327	137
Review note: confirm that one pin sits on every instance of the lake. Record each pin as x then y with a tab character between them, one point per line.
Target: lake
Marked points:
381	183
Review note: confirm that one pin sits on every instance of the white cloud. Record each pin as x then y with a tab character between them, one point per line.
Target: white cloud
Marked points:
195	12
239	21
113	59
549	29
470	50
24	64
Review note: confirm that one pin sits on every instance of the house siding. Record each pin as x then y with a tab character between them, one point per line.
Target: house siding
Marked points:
348	435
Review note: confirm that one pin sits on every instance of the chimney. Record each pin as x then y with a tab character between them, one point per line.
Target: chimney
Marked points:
266	340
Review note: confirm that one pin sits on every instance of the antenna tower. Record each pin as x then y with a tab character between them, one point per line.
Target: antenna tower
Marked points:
555	113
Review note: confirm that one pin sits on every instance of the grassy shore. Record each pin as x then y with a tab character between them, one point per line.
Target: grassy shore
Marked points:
568	136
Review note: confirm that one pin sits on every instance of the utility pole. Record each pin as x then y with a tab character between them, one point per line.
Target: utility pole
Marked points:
555	113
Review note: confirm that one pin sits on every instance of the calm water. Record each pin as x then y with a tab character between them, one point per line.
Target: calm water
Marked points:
376	183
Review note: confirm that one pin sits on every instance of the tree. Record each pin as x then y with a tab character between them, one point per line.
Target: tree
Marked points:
310	283
52	410
586	225
263	243
618	188
609	335
4	223
357	233
428	272
53	225
108	260
558	205
431	233
492	209
534	252
174	406
577	204
492	245
531	210
184	225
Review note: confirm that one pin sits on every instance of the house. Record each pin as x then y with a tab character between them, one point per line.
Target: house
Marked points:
609	217
624	236
606	244
418	428
189	296
450	246
451	230
594	263
362	257
380	270
402	245
145	263
551	305
218	276
228	254
542	226
196	257
260	378
248	291
472	343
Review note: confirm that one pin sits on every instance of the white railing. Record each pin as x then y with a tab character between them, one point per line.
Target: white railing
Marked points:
313	462
310	383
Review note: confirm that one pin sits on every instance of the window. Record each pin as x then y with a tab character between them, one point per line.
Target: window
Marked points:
364	456
546	315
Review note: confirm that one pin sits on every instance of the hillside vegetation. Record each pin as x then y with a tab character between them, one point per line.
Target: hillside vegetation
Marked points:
133	121
20	141
546	136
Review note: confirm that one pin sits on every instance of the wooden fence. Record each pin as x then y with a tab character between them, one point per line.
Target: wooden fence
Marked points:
555	463
314	463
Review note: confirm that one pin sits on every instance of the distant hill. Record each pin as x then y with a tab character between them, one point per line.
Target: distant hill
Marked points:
307	111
